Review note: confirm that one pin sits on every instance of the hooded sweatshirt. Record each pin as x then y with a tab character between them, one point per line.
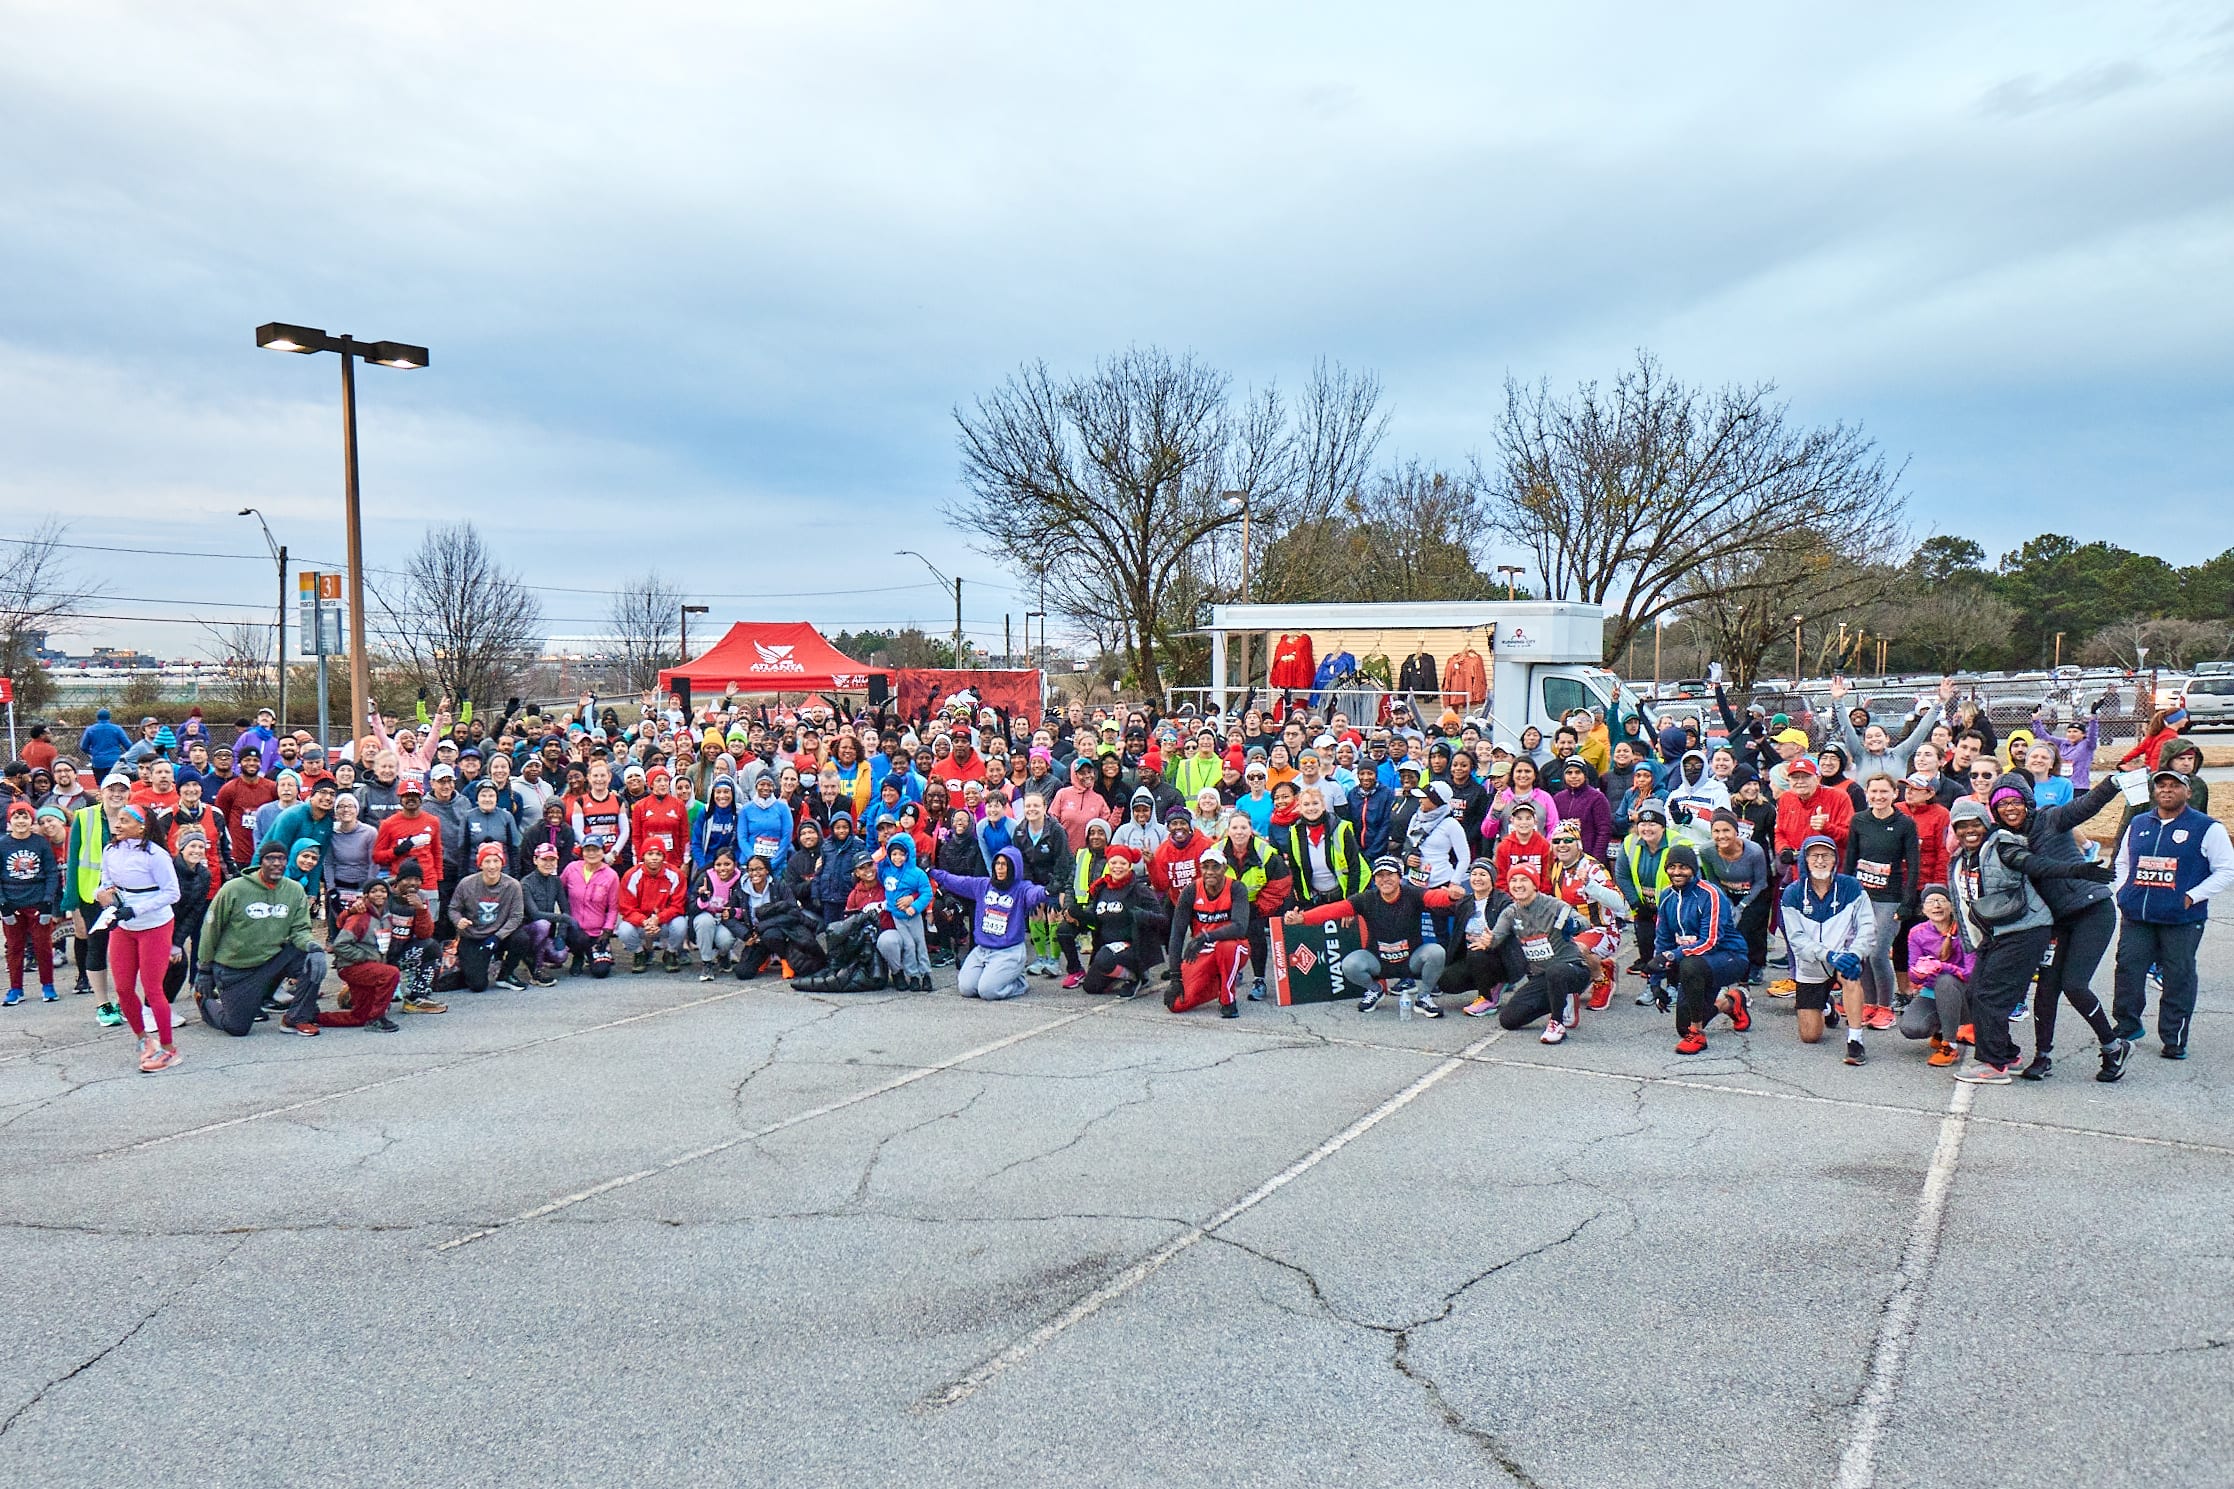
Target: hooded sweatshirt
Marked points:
718	827
1002	909
1694	795
1143	838
903	880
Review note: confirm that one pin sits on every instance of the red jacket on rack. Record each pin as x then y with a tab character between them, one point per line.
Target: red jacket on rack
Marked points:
1292	664
1464	679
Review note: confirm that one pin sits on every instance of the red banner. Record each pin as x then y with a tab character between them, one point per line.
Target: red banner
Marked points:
917	691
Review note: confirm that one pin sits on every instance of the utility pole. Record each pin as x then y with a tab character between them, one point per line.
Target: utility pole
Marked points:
278	552
1797	622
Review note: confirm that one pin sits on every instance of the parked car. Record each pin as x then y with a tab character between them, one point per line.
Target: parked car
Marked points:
2210	701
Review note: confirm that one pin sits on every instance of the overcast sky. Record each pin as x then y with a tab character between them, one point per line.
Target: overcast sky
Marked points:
704	282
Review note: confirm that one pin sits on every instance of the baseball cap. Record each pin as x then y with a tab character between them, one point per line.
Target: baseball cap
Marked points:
1389	863
2166	773
411	785
1802	765
1817	840
443	773
1792	737
1923	782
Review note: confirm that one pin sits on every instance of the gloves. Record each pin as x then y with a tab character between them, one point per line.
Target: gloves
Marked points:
1846	964
2095	873
1788	857
205	981
512	704
1192	948
1923	969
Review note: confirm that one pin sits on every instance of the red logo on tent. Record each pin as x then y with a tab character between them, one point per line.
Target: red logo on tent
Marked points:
1303	959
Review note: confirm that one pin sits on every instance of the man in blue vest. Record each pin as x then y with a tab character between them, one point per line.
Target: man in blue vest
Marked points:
2170	862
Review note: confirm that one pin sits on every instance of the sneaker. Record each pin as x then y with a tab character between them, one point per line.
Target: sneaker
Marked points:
2039	1069
1074	979
307	1031
1783	987
15	996
1554	1033
424	1005
1644	997
705	971
1855	1054
1966	1035
513	983
2016	1013
1741	1017
1833	1016
641	962
1944	1054
1661	1000
1256	994
47	994
1479	1008
2174	1052
1694	1041
384	1024
82	989
1979	1073
149	1051
107	1016
1428	1007
1601	994
161	1060
1229	1010
2113	1060
1881	1017
671	962
542	977
1371	998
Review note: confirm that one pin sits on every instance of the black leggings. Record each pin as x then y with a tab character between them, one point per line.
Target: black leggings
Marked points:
1997	985
1477	972
1102	972
2077	948
1545	995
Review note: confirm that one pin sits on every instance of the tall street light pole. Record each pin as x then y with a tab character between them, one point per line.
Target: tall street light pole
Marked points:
1797	622
1512	573
934	568
1241	499
279	553
278	336
688	612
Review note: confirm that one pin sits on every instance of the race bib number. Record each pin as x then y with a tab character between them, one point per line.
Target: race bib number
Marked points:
765	847
381	940
1394	951
2048	955
1536	947
1118	948
2152	871
248	820
996	922
1745	829
1873	875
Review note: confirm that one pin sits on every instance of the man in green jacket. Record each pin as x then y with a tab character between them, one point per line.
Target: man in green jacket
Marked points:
256	936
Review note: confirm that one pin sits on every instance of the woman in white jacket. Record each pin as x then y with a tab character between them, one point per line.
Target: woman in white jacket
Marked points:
1435	852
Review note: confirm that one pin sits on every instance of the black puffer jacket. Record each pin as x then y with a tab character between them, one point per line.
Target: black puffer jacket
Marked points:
2049	833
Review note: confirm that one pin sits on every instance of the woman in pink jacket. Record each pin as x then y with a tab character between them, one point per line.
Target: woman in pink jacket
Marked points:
1939	965
591	892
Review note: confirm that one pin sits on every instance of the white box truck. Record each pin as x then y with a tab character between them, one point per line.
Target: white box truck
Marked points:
1541	658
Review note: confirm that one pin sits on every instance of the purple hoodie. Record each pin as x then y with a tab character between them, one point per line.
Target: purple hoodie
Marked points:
1002	911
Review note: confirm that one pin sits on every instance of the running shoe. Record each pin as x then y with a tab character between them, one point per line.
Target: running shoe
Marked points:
1855	1053
1966	1035
1554	1033
107	1016
1979	1073
2113	1060
1428	1007
424	1005
1229	1011
1371	998
15	996
1694	1041
384	1024
1644	996
513	983
1256	994
2040	1068
705	971
161	1060
1741	1017
1944	1054
47	994
2174	1052
149	1049
1478	1009
1074	979
542	977
1601	993
1783	987
1879	1016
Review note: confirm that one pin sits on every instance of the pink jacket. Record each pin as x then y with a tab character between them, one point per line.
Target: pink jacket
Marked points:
594	902
1926	945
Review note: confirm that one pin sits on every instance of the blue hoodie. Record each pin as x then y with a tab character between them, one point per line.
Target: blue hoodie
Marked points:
833	882
766	825
717	828
1003	911
103	742
906	879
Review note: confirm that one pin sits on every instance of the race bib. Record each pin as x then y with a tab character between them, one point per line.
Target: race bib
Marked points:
1118	947
2048	955
1394	951
996	922
1873	875
2152	871
1745	829
381	939
1536	947
765	847
248	820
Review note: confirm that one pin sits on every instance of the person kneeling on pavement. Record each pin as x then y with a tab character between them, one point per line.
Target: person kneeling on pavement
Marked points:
1544	927
1125	917
360	955
1939	967
1388	914
255	937
413	949
652	907
1696	943
488	909
1005	901
1209	942
775	926
1830	927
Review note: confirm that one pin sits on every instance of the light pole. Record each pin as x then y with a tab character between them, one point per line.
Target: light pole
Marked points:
688	612
1659	629
1797	622
2059	648
934	568
1241	499
279	553
278	336
1512	573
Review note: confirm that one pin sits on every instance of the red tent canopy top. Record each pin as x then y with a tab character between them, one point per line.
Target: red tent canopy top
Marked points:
775	657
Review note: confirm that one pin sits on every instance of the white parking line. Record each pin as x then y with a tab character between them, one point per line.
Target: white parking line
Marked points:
623	1181
1124	1282
1857	1468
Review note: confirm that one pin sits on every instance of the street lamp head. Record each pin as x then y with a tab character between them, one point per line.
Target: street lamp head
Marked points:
245	512
1235	498
278	336
696	609
396	354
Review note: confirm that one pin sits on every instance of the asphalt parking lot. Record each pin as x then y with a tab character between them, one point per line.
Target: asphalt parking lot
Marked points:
653	1231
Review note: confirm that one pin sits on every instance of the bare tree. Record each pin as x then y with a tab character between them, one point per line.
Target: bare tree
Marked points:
1742	603
1412	533
2171	643
1624	494
457	622
1112	481
243	648
39	589
646	621
1951	626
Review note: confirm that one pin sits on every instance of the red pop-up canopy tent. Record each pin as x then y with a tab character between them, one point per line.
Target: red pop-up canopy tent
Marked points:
782	657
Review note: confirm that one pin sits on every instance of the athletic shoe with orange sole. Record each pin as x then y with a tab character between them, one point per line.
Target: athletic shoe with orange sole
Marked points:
1601	993
1741	1017
1965	1035
1693	1042
1783	987
1944	1054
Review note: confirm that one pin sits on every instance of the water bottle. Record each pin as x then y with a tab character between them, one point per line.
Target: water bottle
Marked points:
1404	1004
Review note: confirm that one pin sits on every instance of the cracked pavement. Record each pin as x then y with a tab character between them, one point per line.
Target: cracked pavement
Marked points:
789	1218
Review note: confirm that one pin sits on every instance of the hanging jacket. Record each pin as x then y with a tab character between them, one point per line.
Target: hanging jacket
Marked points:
1465	680
1330	673
1292	668
1419	674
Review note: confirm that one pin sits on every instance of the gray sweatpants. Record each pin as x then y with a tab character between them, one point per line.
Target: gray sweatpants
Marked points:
1361	968
1939	1009
904	948
994	973
1879	986
668	937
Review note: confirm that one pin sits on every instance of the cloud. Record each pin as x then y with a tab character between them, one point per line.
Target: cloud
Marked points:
2017	97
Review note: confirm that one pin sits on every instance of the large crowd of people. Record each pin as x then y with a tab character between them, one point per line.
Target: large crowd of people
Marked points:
1923	874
